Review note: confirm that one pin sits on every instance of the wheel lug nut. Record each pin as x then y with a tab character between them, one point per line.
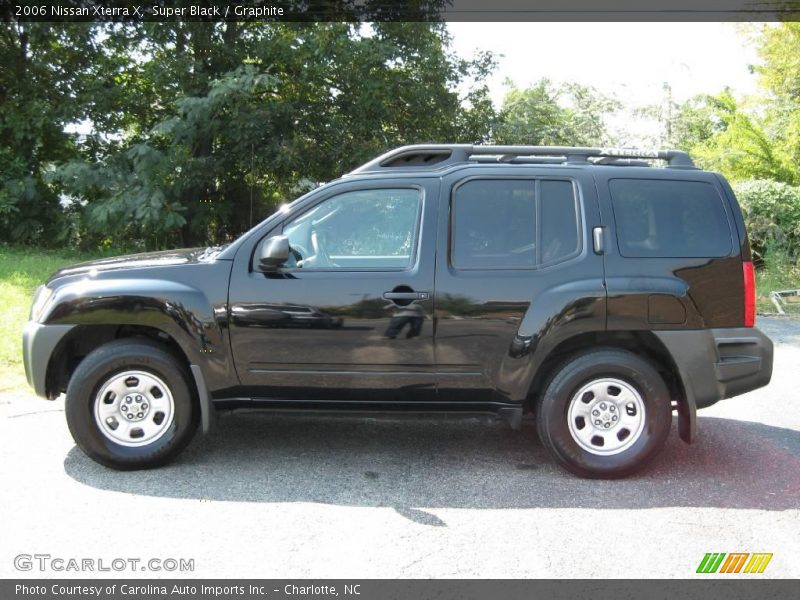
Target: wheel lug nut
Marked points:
597	422
124	408
144	406
612	408
607	425
614	418
128	399
603	405
595	412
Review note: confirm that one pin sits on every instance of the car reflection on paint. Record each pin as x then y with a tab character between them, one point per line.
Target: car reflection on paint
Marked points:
284	315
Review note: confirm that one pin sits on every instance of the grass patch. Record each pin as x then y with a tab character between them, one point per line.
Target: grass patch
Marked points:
777	273
22	270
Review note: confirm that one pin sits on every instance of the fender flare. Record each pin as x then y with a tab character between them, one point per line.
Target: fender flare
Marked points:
554	316
180	311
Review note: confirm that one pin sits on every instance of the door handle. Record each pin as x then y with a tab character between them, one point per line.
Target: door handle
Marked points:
406	295
597	239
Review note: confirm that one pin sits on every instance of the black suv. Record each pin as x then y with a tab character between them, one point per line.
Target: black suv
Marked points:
583	285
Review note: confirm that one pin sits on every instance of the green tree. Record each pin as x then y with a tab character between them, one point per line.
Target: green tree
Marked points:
694	123
742	147
780	77
682	125
760	137
218	122
545	114
45	70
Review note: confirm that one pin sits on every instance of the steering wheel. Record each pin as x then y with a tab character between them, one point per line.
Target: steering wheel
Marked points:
321	257
299	254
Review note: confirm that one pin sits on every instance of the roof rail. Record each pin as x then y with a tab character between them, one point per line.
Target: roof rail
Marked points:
428	156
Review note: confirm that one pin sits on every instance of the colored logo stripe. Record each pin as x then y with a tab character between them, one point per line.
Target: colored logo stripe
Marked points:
711	562
758	563
735	561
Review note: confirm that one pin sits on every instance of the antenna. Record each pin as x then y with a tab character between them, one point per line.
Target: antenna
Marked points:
252	179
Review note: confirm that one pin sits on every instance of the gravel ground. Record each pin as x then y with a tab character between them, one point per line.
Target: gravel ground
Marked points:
279	496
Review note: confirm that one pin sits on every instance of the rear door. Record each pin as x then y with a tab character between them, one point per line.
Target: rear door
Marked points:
515	268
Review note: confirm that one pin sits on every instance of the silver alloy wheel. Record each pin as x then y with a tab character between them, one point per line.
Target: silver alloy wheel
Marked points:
134	408
606	416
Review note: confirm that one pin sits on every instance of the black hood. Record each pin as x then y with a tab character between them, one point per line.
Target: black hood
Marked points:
164	258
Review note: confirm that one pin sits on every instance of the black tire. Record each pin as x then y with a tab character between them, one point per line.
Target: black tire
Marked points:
553	413
101	366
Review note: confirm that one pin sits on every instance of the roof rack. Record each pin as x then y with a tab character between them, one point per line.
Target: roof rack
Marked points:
428	156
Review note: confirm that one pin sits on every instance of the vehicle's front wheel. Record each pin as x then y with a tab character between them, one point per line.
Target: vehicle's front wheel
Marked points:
130	405
605	414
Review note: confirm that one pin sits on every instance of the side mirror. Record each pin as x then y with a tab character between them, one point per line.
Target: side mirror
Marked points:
274	253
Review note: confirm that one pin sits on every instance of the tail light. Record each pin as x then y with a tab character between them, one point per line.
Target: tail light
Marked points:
749	294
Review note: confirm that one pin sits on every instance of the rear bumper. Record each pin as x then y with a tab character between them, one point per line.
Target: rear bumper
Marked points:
718	363
38	343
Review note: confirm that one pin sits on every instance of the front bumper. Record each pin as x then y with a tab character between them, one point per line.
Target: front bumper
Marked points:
38	344
716	364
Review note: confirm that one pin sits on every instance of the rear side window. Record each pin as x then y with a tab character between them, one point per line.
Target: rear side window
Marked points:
663	218
513	223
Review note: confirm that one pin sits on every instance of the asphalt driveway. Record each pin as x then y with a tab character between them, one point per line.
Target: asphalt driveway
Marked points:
282	496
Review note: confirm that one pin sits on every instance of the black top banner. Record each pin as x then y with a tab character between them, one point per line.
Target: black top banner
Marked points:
397	10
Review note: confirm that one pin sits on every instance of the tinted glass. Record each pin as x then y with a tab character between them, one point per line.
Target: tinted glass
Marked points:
660	218
365	229
494	224
559	218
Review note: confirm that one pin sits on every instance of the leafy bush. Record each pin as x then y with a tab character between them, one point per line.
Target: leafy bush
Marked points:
29	212
772	214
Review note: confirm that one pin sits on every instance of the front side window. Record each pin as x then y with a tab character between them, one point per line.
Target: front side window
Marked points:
365	229
513	223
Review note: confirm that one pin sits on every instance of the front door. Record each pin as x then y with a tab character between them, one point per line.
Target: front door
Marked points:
349	317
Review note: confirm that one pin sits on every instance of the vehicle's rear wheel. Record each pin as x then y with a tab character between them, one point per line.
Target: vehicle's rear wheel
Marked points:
130	405
605	414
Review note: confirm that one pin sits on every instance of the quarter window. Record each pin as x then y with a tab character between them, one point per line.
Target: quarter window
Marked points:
664	218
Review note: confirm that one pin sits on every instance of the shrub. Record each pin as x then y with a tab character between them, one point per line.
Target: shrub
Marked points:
772	215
